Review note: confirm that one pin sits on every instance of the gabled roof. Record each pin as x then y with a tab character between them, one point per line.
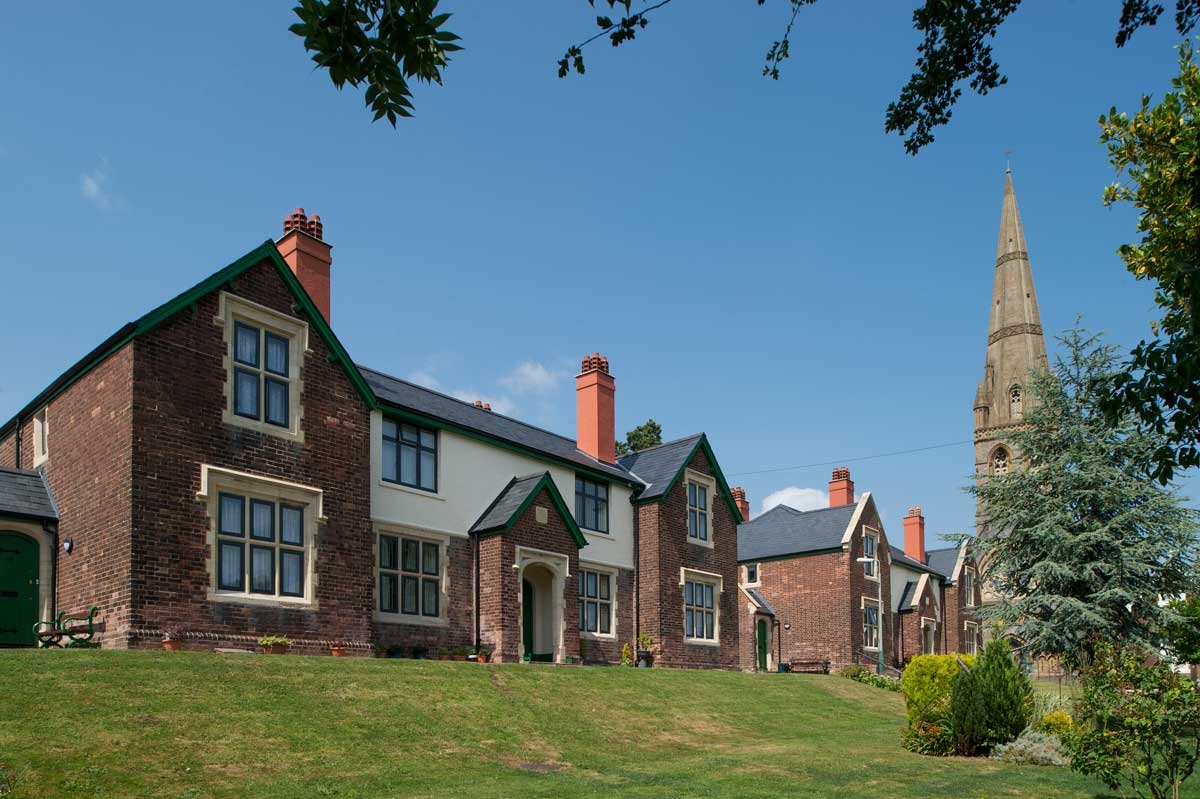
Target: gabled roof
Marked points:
423	405
900	557
907	596
25	495
661	466
785	531
944	561
758	599
515	498
267	251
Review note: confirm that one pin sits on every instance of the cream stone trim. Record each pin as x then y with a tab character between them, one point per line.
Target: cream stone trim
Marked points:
928	624
392	524
854	519
969	590
231	308
959	562
877	534
710	485
216	479
718	584
971	629
45	544
559	566
864	601
613	573
757	574
41	429
420	492
417	534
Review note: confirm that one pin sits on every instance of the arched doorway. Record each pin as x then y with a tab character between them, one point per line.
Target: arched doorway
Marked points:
19	588
539	612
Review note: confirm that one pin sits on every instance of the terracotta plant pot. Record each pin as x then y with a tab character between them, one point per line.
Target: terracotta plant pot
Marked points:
482	657
337	651
172	644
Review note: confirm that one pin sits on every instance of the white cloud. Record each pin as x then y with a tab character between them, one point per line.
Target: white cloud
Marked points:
796	497
530	377
95	186
423	378
499	404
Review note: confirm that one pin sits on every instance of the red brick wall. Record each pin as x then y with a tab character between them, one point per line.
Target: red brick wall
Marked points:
608	650
748	617
90	434
664	549
908	627
460	603
8	451
861	587
957	611
500	583
179	382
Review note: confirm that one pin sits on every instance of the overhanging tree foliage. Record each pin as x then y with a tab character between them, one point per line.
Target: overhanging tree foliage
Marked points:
1158	151
647	434
1079	542
385	44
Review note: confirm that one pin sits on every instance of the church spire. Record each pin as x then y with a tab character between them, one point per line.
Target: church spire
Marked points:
1014	344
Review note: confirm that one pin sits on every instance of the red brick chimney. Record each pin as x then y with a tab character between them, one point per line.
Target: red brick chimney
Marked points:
595	409
483	406
914	534
739	499
841	488
307	255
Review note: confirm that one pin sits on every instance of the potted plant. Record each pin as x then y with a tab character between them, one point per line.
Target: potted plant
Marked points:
337	650
645	653
172	640
381	651
275	644
483	654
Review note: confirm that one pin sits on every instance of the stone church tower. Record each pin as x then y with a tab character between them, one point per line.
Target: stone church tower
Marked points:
1014	345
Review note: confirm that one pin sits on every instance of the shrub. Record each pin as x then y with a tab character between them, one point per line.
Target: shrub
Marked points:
626	655
1032	748
864	675
1137	725
854	671
274	640
927	682
968	713
1007	693
1056	722
930	736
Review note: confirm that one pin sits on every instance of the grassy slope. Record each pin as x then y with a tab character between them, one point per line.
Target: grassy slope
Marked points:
102	723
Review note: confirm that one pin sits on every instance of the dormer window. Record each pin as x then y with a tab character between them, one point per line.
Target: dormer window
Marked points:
700	492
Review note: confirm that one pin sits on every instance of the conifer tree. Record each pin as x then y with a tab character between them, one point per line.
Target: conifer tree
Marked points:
1079	542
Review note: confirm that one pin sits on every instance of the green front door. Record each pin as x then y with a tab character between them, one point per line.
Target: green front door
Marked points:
527	615
18	589
762	644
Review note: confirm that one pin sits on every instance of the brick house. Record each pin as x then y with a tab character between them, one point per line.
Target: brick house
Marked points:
805	595
221	469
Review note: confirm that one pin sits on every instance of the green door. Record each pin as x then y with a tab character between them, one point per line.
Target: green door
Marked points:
18	589
762	644
527	616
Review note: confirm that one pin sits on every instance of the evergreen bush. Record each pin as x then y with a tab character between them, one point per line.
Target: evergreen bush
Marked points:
968	713
1007	694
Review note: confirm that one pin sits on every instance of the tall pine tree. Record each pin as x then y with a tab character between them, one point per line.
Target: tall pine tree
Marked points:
1080	543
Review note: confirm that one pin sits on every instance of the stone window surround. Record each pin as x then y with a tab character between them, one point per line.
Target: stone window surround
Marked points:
41	437
878	623
718	584
232	308
757	574
877	567
216	479
928	624
968	583
971	633
612	573
710	485
443	543
559	566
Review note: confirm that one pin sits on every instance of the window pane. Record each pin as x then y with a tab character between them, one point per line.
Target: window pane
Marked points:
602	491
429	600
691	494
605	621
410	555
230	512
709	630
389	461
291	524
708	596
579	591
408	464
429	558
687	594
580	518
428	439
277	402
702	497
262	570
245	393
702	525
581	615
692	524
602	516
390	430
591	617
688	627
409	433
591	584
277	354
230	572
246	344
262	520
389	595
408	595
291	573
428	470
388	555
604	586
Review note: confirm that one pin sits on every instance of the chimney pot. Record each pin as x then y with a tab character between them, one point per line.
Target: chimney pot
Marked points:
595	409
841	488
306	253
914	534
743	506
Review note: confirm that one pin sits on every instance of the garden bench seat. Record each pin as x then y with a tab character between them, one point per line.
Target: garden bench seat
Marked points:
78	631
809	666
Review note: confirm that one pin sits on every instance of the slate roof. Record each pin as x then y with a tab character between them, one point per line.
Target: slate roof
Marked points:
761	601
942	560
25	495
427	402
507	503
787	531
899	556
657	466
906	597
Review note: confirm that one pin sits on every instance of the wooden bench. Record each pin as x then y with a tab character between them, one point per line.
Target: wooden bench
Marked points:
78	631
809	666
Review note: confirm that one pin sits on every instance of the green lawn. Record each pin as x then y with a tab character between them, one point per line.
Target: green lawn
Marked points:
106	723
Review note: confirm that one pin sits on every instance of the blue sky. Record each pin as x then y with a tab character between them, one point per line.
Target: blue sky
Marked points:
757	259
